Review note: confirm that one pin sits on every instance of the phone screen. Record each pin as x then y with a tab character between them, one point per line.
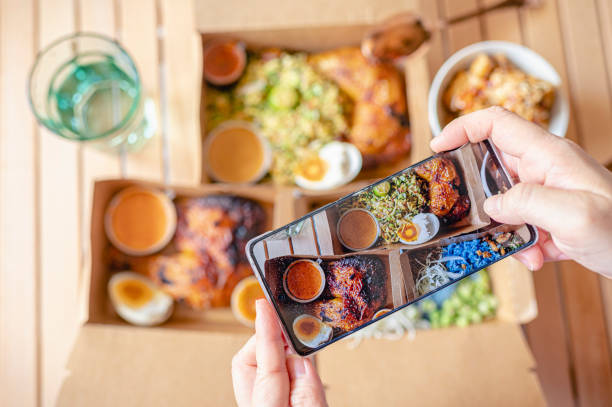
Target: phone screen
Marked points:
383	247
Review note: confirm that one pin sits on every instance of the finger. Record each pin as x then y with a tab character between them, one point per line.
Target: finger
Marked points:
509	132
306	386
532	258
271	386
270	346
244	369
551	252
246	354
545	207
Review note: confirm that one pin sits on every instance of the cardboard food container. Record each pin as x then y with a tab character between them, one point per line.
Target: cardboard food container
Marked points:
187	363
306	40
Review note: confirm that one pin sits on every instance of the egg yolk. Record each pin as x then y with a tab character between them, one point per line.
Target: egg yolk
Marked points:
133	293
313	169
409	232
249	293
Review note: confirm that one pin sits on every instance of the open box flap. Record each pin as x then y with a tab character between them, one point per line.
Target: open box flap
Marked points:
128	366
487	364
484	364
234	15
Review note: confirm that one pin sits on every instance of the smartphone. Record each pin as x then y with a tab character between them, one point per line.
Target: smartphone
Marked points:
383	247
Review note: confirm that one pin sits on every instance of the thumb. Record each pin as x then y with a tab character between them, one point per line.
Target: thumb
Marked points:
545	207
306	386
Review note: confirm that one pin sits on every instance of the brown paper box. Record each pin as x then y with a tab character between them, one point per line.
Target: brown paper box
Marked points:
187	364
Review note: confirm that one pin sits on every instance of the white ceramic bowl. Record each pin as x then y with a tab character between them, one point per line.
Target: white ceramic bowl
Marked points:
522	57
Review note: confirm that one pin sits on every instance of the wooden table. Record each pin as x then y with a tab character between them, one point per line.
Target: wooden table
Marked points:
46	182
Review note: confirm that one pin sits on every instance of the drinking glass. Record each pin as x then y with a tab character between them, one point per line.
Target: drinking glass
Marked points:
85	87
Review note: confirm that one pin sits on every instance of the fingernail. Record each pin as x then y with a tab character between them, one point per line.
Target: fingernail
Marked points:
492	205
434	142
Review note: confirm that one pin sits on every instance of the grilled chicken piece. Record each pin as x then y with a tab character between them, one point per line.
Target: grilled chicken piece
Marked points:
378	128
458	211
380	84
444	199
211	235
358	285
438	169
339	313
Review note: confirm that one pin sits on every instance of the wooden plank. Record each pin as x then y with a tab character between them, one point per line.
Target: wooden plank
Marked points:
591	100
323	234
436	48
19	374
60	228
305	241
548	335
606	294
589	342
94	16
280	247
417	74
464	33
548	341
604	8
138	33
605	19
181	70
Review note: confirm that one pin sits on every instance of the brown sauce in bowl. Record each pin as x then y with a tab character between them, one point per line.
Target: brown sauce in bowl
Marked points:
358	229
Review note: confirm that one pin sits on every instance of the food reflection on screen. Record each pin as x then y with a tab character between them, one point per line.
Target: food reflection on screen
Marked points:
386	246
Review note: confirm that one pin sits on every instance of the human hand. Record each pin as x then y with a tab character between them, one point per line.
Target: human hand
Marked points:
562	190
264	374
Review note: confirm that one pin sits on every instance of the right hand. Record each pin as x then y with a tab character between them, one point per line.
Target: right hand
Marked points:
562	190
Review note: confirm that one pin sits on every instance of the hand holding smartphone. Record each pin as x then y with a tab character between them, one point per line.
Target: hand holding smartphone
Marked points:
386	246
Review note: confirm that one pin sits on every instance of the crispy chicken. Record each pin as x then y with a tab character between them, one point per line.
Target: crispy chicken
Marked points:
210	237
438	169
379	129
358	285
444	198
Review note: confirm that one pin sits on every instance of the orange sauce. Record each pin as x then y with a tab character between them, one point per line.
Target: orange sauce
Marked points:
139	220
236	154
304	280
307	328
358	229
222	60
409	232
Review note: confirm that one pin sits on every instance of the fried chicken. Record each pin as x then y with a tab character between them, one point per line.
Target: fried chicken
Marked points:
211	235
444	198
358	286
438	169
378	130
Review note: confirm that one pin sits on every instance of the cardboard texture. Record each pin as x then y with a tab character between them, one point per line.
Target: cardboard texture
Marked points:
187	362
484	365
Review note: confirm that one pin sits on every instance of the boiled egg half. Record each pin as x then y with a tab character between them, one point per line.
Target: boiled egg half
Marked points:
337	163
137	300
311	331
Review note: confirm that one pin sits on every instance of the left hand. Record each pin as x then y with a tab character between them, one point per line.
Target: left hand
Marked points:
265	374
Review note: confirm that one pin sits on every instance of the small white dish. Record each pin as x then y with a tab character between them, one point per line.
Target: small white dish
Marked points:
315	338
522	57
428	226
